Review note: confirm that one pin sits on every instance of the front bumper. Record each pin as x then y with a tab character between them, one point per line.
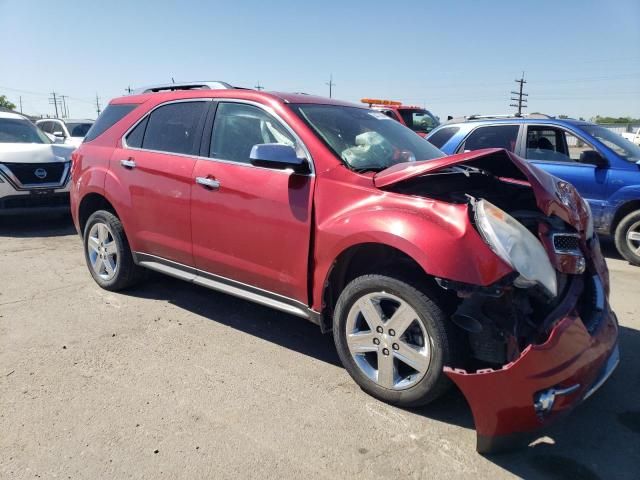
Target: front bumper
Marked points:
572	361
32	201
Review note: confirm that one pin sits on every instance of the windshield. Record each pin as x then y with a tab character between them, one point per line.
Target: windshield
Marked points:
20	131
79	129
365	139
620	145
419	120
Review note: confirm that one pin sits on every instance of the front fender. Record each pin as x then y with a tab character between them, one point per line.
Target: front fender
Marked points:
437	235
620	198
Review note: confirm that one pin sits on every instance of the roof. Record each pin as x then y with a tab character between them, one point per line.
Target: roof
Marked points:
248	94
533	118
15	116
67	120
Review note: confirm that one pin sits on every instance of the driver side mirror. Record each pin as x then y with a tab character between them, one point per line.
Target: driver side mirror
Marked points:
277	155
59	133
592	157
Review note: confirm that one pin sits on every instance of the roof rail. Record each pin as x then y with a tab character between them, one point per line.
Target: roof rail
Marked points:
489	117
167	87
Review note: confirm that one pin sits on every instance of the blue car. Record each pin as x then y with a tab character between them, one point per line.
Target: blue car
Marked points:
602	165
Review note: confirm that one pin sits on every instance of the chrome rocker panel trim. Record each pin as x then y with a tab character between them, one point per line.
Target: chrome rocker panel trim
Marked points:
227	285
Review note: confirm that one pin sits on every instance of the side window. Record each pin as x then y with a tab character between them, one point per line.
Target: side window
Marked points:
442	136
238	127
494	136
43	126
107	119
554	145
57	127
173	128
134	139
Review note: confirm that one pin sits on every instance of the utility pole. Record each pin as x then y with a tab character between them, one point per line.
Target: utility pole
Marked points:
128	90
20	104
259	87
98	103
54	101
65	112
331	84
522	101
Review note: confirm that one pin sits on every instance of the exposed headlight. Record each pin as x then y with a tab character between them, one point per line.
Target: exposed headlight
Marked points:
517	246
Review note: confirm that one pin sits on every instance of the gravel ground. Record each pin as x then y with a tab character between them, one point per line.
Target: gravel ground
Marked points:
175	381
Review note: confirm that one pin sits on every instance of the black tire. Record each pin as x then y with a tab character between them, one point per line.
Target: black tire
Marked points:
446	347
126	273
624	246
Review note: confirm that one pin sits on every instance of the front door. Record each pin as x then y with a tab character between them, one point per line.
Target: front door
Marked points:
557	151
155	165
251	224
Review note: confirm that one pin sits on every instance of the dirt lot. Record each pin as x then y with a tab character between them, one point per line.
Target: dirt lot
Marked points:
171	380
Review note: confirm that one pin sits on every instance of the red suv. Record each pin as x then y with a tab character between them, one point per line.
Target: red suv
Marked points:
474	268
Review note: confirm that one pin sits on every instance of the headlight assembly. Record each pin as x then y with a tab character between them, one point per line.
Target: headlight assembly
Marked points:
517	246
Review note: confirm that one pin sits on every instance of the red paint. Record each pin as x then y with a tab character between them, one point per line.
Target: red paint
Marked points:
283	232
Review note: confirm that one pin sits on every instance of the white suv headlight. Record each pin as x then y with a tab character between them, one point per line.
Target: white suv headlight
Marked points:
517	246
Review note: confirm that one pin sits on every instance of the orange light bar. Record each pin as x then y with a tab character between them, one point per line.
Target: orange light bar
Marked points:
377	101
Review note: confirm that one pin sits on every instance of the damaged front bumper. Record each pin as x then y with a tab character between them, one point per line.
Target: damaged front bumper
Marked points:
546	381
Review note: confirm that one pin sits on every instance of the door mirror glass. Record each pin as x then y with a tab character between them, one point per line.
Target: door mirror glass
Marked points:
592	157
59	133
277	155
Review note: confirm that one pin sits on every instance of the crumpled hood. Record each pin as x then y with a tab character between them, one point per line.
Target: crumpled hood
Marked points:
505	165
34	152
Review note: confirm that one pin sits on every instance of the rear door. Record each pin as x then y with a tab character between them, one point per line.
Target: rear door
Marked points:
251	224
155	165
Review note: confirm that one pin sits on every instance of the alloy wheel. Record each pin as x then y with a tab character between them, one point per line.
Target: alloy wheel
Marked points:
102	251
388	340
633	238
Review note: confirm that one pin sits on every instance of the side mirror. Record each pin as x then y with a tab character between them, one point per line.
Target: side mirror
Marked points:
59	133
638	163
277	155
593	158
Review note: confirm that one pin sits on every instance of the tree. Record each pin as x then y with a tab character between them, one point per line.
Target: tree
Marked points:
5	103
599	119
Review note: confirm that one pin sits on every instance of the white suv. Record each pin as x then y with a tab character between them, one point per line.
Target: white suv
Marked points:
68	131
34	173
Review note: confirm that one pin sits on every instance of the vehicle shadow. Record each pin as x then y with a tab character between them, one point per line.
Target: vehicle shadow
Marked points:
33	226
609	249
600	439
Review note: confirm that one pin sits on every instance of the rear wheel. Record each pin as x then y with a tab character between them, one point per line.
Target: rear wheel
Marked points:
627	237
394	340
108	254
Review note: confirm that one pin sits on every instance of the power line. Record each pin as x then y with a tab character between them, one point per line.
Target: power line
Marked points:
331	84
522	101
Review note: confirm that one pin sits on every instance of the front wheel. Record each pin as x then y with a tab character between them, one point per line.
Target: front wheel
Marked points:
627	237
394	340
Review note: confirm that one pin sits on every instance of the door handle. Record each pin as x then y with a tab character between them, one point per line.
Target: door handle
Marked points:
208	182
130	163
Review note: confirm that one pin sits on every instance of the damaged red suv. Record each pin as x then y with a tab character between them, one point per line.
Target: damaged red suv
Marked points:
476	269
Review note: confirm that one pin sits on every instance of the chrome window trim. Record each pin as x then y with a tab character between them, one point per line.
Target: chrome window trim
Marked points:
266	108
13	180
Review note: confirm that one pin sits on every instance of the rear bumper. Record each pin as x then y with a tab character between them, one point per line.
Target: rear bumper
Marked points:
572	361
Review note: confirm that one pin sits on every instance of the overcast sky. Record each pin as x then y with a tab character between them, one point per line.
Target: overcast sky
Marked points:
580	58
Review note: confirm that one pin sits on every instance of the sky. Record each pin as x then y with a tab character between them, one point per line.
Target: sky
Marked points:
579	58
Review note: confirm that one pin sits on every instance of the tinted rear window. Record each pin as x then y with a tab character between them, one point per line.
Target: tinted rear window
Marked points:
442	136
108	118
173	128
